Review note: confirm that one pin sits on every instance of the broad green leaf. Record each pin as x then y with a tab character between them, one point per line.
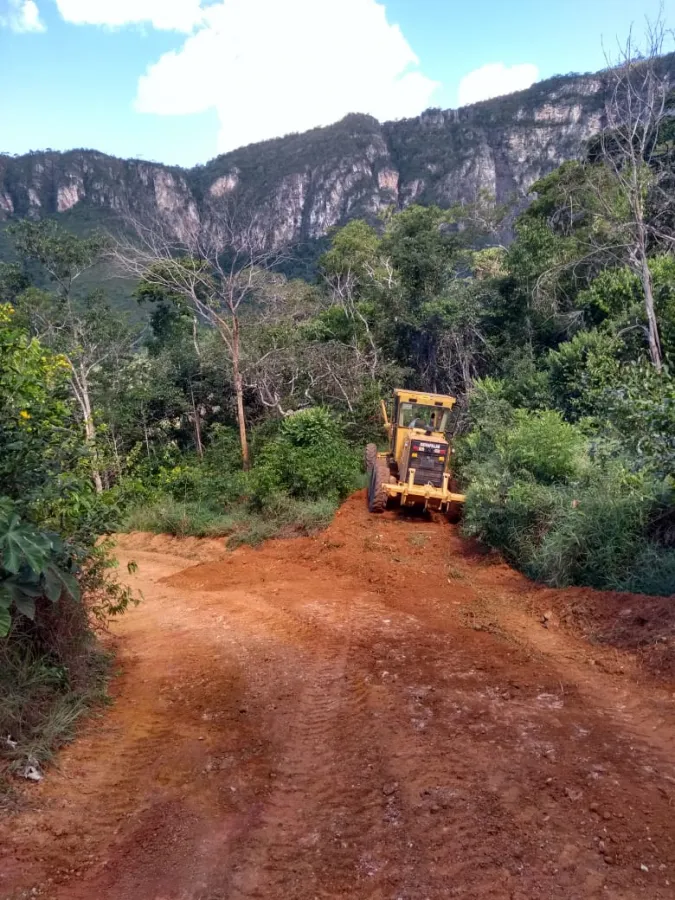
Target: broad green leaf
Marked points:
22	545
26	606
26	586
53	583
57	581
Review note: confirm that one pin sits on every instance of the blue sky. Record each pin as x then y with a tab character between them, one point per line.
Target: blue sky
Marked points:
180	80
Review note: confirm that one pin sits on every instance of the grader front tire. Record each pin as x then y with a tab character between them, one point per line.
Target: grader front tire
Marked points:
371	457
377	494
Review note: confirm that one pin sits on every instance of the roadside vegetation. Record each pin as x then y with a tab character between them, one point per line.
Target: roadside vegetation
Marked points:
56	581
239	406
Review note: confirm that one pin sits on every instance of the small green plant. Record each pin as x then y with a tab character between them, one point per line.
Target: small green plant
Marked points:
541	445
308	460
42	700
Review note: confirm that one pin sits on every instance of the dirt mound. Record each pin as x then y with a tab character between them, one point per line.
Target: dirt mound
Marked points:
388	556
380	711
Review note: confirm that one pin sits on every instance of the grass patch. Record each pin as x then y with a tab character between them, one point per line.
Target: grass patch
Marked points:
281	516
41	702
182	519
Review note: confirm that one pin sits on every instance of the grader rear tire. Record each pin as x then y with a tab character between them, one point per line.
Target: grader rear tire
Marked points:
371	457
377	494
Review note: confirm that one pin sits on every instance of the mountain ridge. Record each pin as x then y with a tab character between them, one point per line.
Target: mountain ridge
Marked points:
302	185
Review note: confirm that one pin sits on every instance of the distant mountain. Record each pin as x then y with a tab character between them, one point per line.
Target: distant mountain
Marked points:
302	185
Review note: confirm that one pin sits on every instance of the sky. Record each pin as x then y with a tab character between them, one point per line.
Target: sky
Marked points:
180	81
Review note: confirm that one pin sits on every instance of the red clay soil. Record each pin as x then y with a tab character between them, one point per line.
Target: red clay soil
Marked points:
376	712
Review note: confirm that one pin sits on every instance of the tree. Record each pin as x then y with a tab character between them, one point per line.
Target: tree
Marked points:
168	396
13	281
440	326
629	148
457	320
36	444
84	330
61	254
617	206
215	270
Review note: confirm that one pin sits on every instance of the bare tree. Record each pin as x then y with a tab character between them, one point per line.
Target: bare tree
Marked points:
639	85
294	362
619	204
215	268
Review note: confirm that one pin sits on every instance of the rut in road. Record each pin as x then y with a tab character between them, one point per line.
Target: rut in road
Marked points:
370	713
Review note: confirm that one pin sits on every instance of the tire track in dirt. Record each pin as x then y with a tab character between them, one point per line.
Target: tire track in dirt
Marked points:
362	714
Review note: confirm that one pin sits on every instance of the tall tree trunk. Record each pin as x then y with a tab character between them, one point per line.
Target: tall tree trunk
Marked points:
652	322
81	390
90	432
116	452
198	430
239	394
145	433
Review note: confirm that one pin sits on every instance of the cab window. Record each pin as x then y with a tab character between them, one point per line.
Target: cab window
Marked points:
431	418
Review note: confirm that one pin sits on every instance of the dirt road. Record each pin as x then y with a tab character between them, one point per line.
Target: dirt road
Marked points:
376	712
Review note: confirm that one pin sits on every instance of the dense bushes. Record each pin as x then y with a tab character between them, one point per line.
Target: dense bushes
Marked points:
563	503
309	459
55	585
303	467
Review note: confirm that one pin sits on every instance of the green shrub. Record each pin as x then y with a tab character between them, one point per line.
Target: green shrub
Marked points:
536	444
594	540
593	532
283	517
512	517
641	409
308	460
542	445
214	482
301	472
45	691
561	516
489	413
581	370
652	572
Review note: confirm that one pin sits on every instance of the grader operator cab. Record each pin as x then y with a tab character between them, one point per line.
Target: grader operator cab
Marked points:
415	470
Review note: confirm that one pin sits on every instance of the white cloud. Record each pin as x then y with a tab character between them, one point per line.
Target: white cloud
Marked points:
269	67
494	80
165	15
23	17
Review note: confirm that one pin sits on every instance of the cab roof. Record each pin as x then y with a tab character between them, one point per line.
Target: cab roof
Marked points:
445	401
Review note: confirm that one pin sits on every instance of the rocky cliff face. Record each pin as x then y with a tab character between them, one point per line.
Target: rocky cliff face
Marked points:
300	186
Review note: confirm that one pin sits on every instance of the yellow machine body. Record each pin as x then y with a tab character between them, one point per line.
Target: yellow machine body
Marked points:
417	466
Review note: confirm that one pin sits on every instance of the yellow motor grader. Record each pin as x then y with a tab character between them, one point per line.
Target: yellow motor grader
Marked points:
415	470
